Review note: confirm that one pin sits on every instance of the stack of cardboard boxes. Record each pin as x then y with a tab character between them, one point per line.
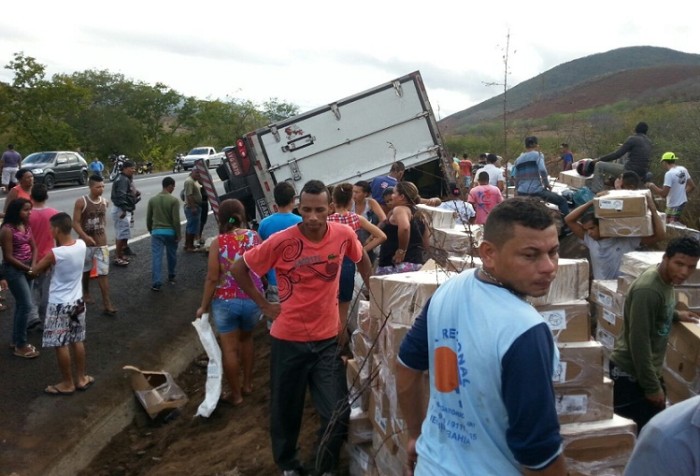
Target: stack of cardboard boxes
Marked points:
624	213
448	239
681	370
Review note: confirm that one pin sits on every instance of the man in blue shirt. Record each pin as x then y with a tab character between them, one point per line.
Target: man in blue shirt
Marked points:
379	184
492	407
531	178
97	167
281	220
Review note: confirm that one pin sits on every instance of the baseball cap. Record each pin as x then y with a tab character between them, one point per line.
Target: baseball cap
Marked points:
668	156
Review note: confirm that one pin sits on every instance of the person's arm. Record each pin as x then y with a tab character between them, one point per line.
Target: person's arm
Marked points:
689	186
657	225
44	264
120	192
412	361
11	195
662	192
32	245
543	172
175	217
149	217
624	148
572	219
77	218
533	434
241	274
377	235
376	209
402	216
644	306
212	279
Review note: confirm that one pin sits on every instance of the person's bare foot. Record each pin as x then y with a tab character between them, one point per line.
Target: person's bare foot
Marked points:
231	400
88	299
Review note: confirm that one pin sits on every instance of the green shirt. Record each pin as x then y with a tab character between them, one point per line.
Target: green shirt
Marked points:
163	213
193	188
648	314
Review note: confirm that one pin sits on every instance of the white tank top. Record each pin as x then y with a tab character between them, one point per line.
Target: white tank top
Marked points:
66	281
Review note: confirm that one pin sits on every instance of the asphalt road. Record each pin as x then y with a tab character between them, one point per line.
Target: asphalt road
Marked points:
63	197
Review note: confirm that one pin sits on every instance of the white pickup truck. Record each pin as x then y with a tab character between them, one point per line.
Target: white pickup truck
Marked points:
211	157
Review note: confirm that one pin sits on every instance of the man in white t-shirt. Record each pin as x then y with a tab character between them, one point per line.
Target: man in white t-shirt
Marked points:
677	186
496	177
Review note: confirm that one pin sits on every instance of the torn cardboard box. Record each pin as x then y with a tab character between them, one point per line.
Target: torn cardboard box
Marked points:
156	390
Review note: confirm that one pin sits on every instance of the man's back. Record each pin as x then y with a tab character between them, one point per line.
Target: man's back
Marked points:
484	198
163	212
676	179
379	184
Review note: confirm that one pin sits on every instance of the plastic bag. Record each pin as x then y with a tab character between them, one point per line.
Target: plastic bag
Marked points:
214	369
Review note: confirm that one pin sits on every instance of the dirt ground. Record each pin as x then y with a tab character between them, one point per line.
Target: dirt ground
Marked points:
233	441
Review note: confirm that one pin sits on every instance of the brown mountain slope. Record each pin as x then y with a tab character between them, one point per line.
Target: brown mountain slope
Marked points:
625	85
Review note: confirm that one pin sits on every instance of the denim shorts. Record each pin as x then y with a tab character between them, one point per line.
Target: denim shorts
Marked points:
234	314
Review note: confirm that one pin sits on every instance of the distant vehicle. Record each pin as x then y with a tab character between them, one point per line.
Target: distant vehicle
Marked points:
55	167
208	154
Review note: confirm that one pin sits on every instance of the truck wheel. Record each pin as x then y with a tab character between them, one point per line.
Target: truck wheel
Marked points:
83	178
49	181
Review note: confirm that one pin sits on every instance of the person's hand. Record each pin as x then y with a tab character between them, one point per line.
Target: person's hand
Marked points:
90	241
3	284
411	457
398	256
271	310
658	399
123	215
200	312
688	316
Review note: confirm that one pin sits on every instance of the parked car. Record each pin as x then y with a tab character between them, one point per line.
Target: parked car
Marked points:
57	167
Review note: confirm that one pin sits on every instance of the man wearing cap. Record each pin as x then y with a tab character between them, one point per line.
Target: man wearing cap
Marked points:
638	150
124	200
677	186
531	177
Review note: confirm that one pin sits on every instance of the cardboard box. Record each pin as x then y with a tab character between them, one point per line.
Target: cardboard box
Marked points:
676	389
401	297
573	179
624	282
361	459
460	240
599	447
390	340
685	338
585	403
439	217
626	226
359	427
580	364
359	379
570	284
608	320
156	390
621	204
604	292
458	264
568	321
607	339
684	368
635	263
688	295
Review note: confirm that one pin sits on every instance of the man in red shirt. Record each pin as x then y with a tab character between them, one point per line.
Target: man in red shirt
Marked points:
304	350
465	171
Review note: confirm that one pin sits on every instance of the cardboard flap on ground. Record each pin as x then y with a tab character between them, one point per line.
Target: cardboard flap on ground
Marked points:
573	179
621	204
156	390
570	284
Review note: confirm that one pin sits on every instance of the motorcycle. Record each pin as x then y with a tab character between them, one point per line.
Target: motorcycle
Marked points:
117	166
146	168
178	167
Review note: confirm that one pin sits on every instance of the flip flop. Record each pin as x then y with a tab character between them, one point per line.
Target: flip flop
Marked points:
90	381
30	352
120	262
55	391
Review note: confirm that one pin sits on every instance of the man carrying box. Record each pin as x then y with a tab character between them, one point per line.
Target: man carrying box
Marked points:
635	364
606	253
492	407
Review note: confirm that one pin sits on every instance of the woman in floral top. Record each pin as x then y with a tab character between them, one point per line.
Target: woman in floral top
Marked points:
234	312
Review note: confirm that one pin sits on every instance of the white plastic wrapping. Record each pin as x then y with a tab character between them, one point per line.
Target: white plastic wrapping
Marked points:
439	217
459	240
580	364
214	369
570	284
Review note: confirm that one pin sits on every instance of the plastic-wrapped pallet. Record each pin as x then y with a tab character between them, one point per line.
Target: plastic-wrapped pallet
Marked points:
573	179
682	362
570	284
580	364
584	403
439	217
628	226
459	240
599	447
568	321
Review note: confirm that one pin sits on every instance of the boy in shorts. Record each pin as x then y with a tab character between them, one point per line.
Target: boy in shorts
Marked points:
64	328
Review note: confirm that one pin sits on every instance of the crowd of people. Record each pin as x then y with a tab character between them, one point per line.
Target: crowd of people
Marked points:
297	271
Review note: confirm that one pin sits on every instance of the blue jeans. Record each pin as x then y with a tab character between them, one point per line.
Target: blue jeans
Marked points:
234	314
22	292
158	242
193	217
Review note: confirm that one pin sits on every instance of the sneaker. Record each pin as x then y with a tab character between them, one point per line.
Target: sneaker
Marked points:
156	287
171	279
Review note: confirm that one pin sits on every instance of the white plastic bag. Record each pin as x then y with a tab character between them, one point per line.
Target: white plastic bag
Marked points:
214	369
